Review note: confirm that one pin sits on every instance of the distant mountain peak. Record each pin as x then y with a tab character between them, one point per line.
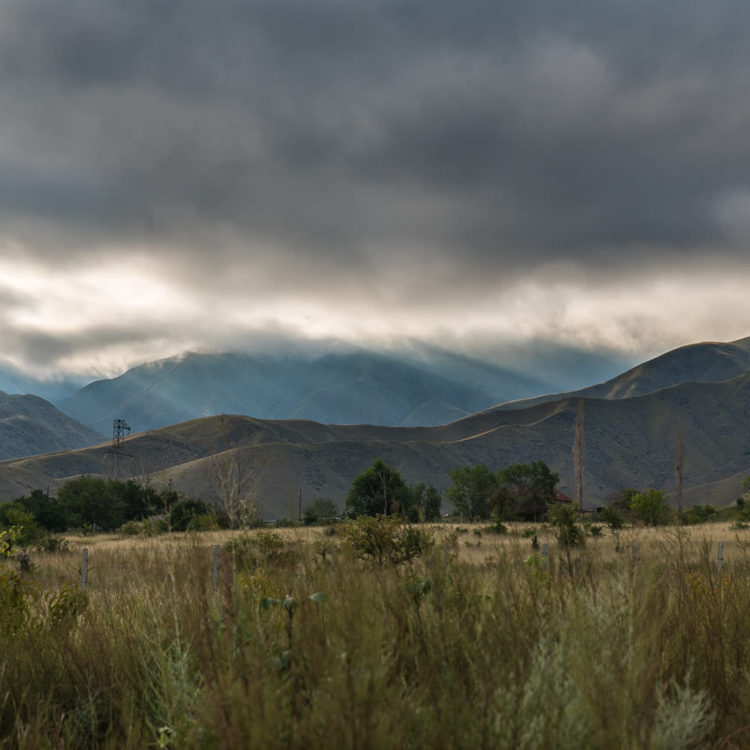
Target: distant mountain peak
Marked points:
334	387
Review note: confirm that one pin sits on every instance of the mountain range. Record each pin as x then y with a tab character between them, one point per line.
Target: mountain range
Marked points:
335	388
632	424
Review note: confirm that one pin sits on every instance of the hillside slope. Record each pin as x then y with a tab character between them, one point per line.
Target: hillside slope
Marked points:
629	443
31	425
706	362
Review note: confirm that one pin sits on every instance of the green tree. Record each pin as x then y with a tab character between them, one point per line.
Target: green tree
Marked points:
27	530
87	501
320	510
525	491
185	513
46	510
621	503
651	507
699	514
424	503
378	491
470	490
136	502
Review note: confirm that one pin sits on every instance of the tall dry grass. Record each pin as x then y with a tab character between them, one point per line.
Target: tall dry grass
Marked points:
470	646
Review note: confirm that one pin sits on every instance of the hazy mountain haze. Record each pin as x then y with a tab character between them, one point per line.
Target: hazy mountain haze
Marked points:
336	388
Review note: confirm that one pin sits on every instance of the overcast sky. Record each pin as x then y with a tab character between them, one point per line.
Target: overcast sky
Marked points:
180	175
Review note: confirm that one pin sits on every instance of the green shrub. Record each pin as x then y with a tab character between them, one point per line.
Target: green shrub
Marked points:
612	517
498	527
564	517
185	511
320	510
131	528
203	522
262	549
27	532
651	507
386	539
52	543
699	514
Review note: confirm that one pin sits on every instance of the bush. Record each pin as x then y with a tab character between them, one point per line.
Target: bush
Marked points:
321	510
498	527
146	527
386	539
27	532
651	507
564	517
131	528
699	514
284	523
261	550
185	511
52	543
203	522
612	517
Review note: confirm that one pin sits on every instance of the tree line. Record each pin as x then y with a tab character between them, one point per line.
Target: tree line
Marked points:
522	492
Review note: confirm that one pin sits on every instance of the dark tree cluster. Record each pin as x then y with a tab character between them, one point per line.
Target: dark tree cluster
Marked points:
523	492
381	490
87	502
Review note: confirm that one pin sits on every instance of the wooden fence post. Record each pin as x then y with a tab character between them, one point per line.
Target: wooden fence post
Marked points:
720	560
217	557
635	551
84	568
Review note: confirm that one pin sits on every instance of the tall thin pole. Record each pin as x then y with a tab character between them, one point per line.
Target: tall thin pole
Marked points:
578	454
678	469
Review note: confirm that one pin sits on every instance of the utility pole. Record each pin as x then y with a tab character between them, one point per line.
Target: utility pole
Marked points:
120	428
578	455
678	471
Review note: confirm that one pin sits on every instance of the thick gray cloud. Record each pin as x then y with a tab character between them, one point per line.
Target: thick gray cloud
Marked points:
381	150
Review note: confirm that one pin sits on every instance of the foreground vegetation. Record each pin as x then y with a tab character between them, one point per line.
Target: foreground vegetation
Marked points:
456	638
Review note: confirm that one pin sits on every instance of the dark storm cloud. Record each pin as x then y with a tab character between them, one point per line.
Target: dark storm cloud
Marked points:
484	136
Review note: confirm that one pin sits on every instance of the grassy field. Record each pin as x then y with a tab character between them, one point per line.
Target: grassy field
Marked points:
480	642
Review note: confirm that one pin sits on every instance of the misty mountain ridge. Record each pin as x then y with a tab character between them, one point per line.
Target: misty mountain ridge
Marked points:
14	381
348	388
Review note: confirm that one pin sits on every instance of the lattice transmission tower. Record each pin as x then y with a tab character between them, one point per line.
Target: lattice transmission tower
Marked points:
120	428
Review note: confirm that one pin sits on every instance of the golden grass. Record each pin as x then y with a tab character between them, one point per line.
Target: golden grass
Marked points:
478	644
109	552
